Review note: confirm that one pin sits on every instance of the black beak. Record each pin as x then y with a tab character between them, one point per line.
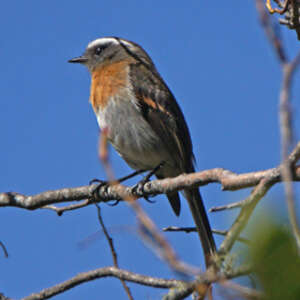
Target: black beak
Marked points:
78	60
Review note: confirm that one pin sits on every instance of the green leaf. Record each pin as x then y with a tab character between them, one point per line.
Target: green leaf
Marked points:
276	261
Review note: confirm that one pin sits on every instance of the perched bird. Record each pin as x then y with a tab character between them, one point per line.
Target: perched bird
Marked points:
143	120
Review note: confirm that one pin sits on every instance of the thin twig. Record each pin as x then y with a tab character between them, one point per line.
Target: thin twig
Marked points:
288	70
270	31
193	229
112	250
4	249
61	210
227	206
243	270
250	203
180	229
233	233
225	232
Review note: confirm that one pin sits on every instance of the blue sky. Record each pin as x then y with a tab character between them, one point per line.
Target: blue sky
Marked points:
219	65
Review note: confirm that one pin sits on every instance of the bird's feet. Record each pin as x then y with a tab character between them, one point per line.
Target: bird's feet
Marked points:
100	183
95	192
139	187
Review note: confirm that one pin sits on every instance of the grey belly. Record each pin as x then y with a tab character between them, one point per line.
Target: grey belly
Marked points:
132	136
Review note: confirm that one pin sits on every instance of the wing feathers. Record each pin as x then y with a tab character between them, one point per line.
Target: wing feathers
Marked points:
162	112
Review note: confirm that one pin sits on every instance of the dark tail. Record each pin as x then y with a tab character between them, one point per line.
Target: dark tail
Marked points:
175	202
201	220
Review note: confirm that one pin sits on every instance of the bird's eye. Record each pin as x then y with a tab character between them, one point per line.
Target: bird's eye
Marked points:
98	51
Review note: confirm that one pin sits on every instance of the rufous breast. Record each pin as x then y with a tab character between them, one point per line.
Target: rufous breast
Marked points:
107	81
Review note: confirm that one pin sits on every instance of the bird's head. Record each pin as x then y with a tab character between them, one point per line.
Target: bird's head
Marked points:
108	50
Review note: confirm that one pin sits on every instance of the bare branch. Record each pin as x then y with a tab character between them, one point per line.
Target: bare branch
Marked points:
233	233
180	229
270	31
285	115
228	180
227	206
286	140
101	273
178	286
250	203
61	210
294	156
193	229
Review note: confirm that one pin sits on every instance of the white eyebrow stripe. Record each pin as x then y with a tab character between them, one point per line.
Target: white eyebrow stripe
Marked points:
101	41
126	43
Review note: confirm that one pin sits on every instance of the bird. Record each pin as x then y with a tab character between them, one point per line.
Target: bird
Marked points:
143	120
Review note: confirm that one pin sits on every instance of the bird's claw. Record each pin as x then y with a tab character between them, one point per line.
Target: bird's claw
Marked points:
139	188
99	184
148	200
95	180
95	192
116	202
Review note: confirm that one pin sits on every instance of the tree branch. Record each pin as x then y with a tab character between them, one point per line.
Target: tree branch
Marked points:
285	116
270	31
241	221
288	70
227	206
228	180
180	287
101	273
194	229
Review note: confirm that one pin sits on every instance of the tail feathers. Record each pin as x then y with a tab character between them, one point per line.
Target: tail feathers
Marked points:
175	202
202	223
